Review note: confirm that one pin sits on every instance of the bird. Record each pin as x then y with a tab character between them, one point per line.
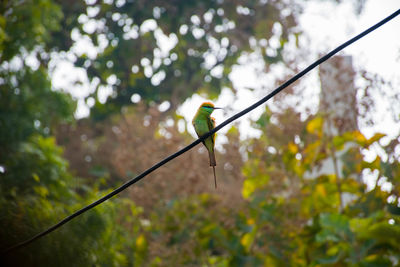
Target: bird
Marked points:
203	123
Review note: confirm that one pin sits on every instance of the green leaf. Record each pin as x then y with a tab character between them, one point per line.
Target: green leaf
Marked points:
375	138
334	227
315	126
393	209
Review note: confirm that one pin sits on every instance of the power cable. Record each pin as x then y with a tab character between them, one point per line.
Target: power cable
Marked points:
190	146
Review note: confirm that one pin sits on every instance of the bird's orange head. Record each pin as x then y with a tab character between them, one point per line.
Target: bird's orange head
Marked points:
208	107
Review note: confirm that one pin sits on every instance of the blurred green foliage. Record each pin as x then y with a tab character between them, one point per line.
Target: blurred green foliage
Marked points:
168	50
36	186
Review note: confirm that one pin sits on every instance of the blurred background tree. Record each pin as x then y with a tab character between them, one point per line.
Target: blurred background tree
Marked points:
36	186
298	194
168	50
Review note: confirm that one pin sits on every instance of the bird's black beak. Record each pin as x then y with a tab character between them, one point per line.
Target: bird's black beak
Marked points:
217	108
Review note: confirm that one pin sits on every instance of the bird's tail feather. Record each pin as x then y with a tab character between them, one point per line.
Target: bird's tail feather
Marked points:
215	177
212	158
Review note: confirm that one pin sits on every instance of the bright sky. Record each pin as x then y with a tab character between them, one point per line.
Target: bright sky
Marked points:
325	25
378	52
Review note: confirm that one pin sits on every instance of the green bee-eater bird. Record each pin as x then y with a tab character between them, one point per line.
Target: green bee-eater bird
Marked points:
203	123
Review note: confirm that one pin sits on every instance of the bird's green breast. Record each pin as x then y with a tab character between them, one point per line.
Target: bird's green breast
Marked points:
201	126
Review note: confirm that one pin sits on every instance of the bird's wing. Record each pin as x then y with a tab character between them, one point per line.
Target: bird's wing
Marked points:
211	125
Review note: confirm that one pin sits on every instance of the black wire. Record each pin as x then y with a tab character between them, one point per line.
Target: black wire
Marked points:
190	146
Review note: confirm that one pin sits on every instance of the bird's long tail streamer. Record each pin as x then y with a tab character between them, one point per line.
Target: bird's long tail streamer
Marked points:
215	177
